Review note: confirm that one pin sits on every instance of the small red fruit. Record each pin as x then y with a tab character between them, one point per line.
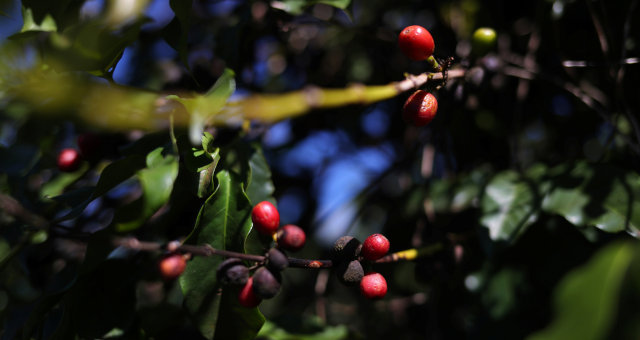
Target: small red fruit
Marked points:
375	247
172	266
69	160
373	286
247	297
416	43
420	108
291	237
265	217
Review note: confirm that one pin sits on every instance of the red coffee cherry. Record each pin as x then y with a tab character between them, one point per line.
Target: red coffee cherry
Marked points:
420	108
375	247
69	160
416	42
265	217
172	266
291	237
247	297
373	286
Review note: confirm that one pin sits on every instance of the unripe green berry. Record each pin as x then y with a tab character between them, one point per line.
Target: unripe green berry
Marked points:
276	260
350	273
233	271
483	40
266	284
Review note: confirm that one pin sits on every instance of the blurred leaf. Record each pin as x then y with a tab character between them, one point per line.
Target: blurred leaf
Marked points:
48	24
114	174
64	12
509	205
204	109
454	195
599	195
586	299
223	222
182	10
157	183
57	185
271	331
18	159
296	7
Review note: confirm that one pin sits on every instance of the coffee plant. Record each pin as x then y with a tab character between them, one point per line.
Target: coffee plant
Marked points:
327	169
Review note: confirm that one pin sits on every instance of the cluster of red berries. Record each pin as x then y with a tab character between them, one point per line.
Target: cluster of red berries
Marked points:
417	44
348	254
266	280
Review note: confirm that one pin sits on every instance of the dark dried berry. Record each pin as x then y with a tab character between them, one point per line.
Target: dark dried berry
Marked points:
350	273
233	271
345	248
266	284
276	260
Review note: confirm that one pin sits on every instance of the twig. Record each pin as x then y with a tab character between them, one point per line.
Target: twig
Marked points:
12	207
207	250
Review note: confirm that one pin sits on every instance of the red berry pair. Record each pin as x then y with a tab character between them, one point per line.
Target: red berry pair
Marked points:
266	220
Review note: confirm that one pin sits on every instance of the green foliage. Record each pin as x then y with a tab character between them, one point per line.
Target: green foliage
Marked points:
223	222
587	299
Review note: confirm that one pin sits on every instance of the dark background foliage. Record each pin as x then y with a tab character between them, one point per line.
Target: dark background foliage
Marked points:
527	177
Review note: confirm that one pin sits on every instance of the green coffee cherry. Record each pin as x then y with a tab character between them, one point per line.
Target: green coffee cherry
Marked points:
483	40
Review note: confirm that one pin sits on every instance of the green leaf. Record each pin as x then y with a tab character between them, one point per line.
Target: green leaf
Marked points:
599	195
57	185
114	174
18	159
455	195
204	108
586	300
157	183
48	24
182	10
317	332
223	222
509	205
260	187
296	7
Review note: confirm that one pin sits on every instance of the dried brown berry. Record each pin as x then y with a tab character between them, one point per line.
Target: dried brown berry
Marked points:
276	260
345	248
233	271
266	284
350	273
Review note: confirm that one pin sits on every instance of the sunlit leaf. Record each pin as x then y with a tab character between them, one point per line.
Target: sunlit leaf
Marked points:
157	183
508	206
599	195
204	109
